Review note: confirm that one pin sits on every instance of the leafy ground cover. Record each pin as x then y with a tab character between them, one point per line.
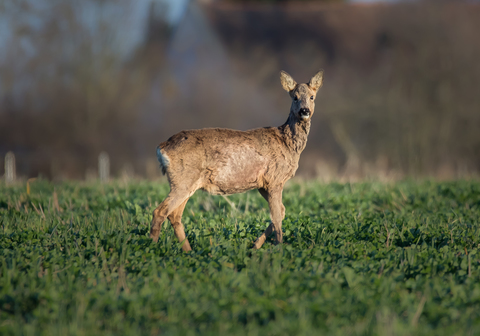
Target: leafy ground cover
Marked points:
359	259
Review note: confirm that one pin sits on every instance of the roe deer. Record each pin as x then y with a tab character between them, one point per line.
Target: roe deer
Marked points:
224	161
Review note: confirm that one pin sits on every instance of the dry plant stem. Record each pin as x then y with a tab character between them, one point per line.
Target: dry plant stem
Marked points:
419	311
224	161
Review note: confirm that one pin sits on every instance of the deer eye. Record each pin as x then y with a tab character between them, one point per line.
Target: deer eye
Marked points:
311	98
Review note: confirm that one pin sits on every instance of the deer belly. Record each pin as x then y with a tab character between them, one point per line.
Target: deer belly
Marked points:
236	172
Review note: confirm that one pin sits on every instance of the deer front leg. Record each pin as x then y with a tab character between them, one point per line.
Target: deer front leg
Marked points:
277	213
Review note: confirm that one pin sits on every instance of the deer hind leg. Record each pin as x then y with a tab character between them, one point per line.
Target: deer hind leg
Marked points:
172	202
175	219
277	213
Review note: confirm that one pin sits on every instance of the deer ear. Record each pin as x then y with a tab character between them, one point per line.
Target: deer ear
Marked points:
317	81
287	81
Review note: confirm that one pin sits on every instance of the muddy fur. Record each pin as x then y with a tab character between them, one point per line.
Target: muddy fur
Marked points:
225	161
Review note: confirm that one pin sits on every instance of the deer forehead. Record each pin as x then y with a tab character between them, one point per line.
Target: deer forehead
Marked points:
303	90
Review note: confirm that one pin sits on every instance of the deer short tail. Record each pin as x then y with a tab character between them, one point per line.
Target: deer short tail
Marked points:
163	159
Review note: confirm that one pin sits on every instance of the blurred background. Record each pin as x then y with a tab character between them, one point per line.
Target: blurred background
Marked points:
401	94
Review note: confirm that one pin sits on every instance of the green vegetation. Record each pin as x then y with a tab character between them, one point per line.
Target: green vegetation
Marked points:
358	259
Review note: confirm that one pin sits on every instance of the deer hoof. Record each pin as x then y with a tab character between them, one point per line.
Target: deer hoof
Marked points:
154	236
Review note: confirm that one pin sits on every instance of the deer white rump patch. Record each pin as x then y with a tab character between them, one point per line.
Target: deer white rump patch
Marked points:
163	159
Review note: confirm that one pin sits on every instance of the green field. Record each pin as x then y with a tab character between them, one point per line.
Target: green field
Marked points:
358	259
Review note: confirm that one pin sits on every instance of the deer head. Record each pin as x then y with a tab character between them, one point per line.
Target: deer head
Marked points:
303	95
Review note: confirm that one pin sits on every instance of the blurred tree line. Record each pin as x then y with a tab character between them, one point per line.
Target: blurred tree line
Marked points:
282	1
400	95
67	90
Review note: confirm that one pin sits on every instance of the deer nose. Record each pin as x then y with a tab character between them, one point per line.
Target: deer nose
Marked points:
304	112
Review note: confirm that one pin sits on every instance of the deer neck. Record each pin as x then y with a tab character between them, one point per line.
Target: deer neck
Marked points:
295	133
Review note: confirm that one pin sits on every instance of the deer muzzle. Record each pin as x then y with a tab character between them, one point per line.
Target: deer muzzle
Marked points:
304	113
